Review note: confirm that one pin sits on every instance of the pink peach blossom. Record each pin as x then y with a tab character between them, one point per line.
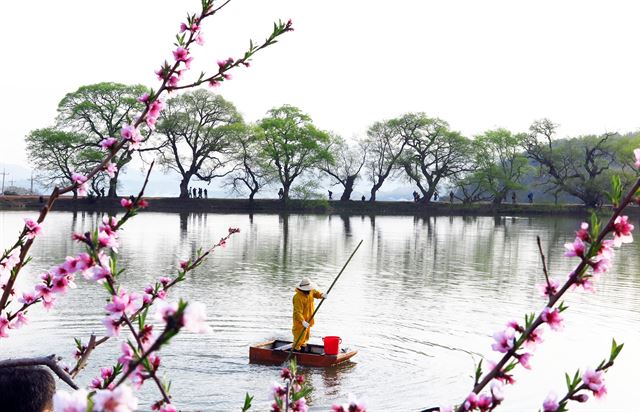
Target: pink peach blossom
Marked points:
28	298
622	231
606	249
144	98
108	240
60	284
484	403
553	318
549	289
585	283
497	390
108	143
525	360
33	228
180	54
127	355
173	81
106	373
534	338
165	310
4	325
195	318
80	181
471	402
504	340
600	264
112	325
120	399
583	232
98	273
593	379
300	405
576	248
122	304
126	203
70	402
111	169
19	321
44	292
550	404
636	153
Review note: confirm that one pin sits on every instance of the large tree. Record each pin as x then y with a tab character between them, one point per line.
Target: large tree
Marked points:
248	172
579	166
499	162
346	163
433	151
291	145
195	132
56	155
99	111
385	146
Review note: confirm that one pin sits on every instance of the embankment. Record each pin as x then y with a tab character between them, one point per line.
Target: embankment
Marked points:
303	206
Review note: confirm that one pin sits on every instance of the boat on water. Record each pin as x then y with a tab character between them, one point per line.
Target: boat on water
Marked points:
276	352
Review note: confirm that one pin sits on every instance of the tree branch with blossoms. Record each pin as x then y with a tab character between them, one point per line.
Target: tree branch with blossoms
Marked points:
595	254
591	380
170	75
151	294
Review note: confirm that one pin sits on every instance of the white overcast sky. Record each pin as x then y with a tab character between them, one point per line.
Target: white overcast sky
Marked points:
476	64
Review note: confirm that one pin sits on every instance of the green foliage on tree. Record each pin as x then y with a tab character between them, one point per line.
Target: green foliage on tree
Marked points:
248	171
56	155
384	148
291	145
99	111
195	136
345	164
433	151
580	166
499	163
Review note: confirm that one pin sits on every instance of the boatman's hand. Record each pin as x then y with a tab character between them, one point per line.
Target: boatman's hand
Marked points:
305	324
325	295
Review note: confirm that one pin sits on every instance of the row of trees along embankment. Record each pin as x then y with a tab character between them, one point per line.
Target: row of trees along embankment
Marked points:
202	137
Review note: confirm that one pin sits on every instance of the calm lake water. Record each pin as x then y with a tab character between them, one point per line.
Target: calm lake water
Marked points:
420	301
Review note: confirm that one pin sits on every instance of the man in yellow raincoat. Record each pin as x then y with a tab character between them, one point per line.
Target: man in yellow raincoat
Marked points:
303	309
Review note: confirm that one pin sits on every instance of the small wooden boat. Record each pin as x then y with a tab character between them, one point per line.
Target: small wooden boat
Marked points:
276	352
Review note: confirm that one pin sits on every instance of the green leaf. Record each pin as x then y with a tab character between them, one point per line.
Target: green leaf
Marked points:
562	307
247	402
301	394
615	350
479	371
595	226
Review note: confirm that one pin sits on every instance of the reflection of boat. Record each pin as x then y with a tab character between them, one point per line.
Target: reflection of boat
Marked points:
276	351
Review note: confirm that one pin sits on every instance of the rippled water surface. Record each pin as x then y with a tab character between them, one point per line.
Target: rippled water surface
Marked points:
420	301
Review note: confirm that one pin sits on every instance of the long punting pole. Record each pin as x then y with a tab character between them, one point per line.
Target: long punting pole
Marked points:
322	301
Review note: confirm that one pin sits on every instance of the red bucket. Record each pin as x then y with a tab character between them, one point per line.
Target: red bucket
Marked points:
331	345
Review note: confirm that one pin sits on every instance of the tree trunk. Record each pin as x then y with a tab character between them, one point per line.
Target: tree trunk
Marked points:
285	191
374	189
251	195
113	185
184	186
348	189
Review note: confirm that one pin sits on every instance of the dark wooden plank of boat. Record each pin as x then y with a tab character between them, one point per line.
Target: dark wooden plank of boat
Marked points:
265	353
